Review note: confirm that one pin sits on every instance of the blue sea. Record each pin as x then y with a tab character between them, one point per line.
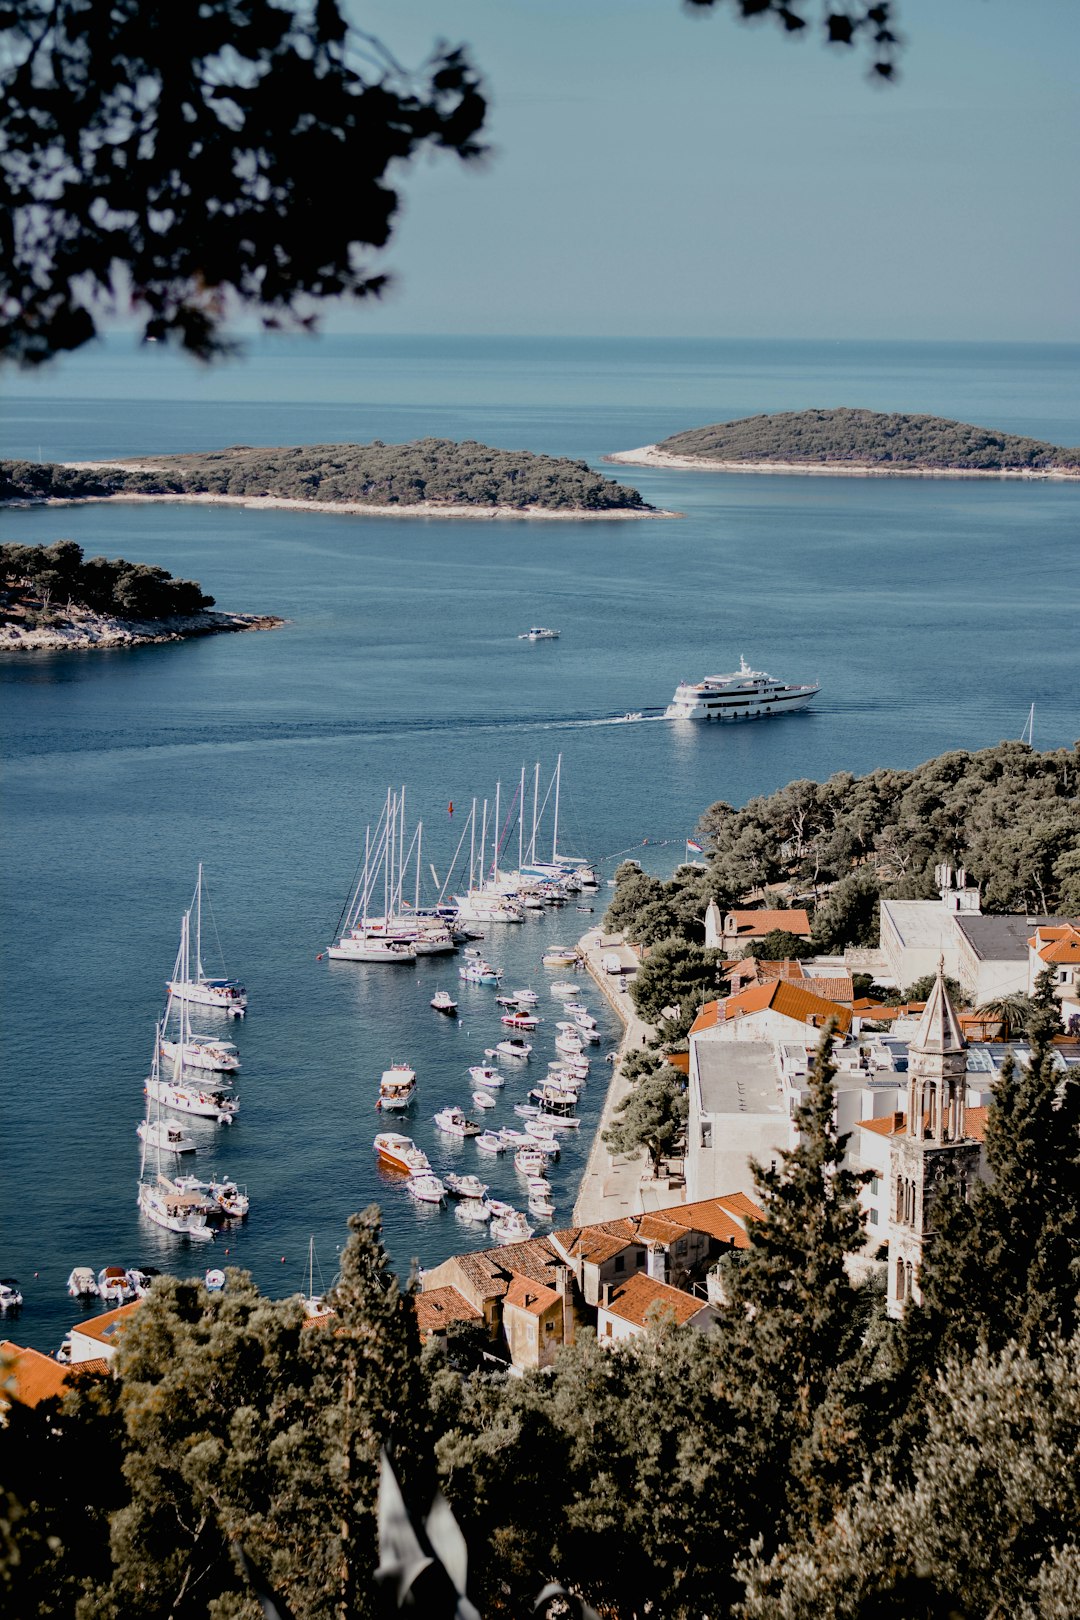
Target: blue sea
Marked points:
933	613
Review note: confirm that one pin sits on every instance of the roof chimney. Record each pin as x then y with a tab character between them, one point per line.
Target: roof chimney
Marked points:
605	1294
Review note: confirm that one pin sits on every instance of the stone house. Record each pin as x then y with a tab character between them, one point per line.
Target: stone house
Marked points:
627	1310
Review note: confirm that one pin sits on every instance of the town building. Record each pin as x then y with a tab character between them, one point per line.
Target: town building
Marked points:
872	1149
743	927
1058	947
936	1151
627	1310
438	1309
675	1245
778	1010
495	1283
736	1113
27	1377
98	1336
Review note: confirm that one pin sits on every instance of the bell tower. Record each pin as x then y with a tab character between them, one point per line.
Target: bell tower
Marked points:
934	1151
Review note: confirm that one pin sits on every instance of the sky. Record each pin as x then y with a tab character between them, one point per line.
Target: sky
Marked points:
655	172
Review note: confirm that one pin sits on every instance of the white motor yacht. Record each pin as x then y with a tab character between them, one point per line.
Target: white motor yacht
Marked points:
443	1002
490	1142
400	1152
513	1047
454	1122
748	694
81	1283
512	1228
465	1186
526	998
397	1087
425	1188
482	1075
539	632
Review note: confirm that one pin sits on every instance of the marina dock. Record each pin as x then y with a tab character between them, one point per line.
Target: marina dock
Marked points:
615	1184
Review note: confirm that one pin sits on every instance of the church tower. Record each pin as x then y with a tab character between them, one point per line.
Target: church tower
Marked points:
934	1152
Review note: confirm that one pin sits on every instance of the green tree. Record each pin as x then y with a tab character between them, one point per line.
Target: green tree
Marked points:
1012	1010
652	1116
676	972
985	1524
851	914
779	945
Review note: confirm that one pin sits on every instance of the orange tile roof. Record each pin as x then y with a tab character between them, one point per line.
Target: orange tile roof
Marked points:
490	1270
633	1300
441	1306
530	1296
756	923
838	987
29	1377
789	968
895	1124
109	1326
792	1000
707	1018
723	1218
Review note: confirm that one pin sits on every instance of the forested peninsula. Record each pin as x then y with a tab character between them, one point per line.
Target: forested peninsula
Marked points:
438	476
866	443
52	598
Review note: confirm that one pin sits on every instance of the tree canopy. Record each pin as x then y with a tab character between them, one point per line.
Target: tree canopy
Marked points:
881	439
438	471
59	574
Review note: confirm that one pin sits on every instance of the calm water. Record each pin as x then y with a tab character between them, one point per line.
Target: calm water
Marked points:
933	614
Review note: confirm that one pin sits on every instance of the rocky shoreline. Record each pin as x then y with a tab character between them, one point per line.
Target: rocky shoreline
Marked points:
417	509
80	630
650	455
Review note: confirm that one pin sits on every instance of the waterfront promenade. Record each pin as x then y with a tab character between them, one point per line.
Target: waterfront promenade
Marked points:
617	1184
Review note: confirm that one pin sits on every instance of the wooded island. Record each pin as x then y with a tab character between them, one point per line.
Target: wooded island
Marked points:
858	441
434	474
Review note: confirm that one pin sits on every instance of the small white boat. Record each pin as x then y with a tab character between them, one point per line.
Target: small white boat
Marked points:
560	956
141	1281
473	1209
564	988
203	1052
512	1228
158	1133
589	1033
520	1020
483	1075
10	1294
499	1209
540	1204
482	1100
81	1283
425	1188
546	1145
465	1186
513	1048
525	998
526	1110
397	1088
490	1142
539	633
530	1161
455	1122
576	1009
479	973
214	1280
400	1152
570	1044
515	1138
443	1002
114	1285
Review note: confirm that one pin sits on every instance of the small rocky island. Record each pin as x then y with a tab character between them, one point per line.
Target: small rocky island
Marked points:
436	476
52	599
861	443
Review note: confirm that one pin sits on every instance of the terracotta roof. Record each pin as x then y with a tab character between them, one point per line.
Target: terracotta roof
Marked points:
838	987
109	1326
707	1018
896	1124
1063	950
27	1376
756	923
633	1300
789	968
723	1218
792	1000
530	1296
490	1270
440	1306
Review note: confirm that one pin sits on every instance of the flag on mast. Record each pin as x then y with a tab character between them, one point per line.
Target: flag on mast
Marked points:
692	848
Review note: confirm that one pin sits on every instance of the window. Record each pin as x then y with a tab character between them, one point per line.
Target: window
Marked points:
875	1186
620	1262
706	1133
607	1330
873	1217
549	1327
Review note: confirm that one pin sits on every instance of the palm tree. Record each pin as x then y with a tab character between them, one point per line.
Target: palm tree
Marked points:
1011	1010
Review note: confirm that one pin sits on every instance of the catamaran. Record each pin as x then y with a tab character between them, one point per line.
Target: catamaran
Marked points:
228	995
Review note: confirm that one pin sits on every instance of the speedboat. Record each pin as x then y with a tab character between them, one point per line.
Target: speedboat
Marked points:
482	1075
218	1198
570	1044
142	1280
158	1133
425	1188
480	972
539	633
563	987
560	956
396	1087
526	998
203	1052
455	1123
513	1048
465	1186
530	1161
512	1228
482	1100
490	1142
400	1152
498	1209
576	1009
114	1286
747	694
520	1020
443	1002
472	1209
10	1294
81	1283
214	1280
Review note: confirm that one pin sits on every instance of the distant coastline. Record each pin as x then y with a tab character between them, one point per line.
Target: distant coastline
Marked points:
78	629
651	455
282	503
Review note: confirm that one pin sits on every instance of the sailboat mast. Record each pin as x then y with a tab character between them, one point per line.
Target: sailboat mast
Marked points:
483	846
536	801
198	927
521	821
401	856
555	834
495	835
472	847
419	845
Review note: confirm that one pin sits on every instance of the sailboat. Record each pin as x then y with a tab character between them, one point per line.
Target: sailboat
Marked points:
159	1198
211	1099
404	930
227	995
